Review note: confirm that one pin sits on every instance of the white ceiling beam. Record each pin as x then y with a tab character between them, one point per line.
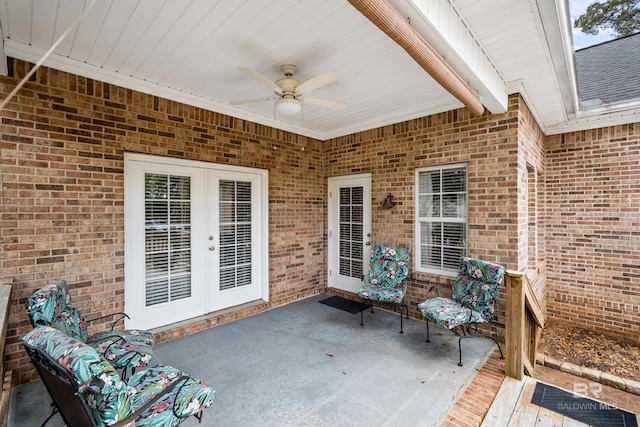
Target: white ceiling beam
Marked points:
441	24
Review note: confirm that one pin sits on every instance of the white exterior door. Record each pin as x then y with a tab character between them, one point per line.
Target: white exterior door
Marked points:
235	238
349	231
195	239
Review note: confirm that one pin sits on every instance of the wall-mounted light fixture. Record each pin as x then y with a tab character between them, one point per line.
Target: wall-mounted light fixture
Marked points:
388	202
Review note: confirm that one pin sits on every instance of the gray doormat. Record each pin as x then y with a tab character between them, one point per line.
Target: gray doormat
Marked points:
581	409
345	304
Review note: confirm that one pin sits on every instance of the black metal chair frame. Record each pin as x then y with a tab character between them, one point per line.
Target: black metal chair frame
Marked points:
122	371
66	400
385	304
62	390
468	330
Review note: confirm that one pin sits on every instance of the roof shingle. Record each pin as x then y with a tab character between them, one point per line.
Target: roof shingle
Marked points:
609	72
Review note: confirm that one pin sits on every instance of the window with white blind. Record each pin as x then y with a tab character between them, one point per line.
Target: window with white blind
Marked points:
441	218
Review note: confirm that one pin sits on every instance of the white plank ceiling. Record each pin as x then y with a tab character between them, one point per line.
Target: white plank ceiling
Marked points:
190	51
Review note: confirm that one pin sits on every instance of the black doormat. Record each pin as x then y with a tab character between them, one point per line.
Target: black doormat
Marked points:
345	304
581	408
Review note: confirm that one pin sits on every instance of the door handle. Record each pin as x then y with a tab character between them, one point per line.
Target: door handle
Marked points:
212	248
368	243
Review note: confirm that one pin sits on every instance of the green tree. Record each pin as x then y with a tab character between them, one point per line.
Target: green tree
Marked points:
623	16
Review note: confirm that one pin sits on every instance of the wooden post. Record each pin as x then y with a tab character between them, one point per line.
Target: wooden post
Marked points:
535	322
515	325
5	376
523	323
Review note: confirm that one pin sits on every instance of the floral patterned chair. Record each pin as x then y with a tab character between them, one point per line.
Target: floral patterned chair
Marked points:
51	306
87	391
387	282
475	291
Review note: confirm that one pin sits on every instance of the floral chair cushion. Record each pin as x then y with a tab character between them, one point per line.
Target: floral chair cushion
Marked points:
187	398
123	352
382	293
109	397
51	306
448	313
388	271
139	336
476	286
475	291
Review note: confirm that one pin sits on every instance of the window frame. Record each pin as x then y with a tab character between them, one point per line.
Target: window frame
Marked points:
442	271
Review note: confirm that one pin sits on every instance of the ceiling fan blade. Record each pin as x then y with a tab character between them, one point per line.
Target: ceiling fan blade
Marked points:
316	82
262	79
325	103
251	101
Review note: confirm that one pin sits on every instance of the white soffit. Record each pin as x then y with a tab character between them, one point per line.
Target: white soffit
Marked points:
555	20
613	115
190	50
20	51
446	30
516	38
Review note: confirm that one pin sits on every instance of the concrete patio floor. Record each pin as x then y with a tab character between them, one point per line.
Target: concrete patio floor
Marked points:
308	364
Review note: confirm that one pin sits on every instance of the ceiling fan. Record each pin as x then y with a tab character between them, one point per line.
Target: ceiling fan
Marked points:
290	92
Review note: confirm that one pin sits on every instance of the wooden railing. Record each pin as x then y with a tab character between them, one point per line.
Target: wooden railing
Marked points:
5	302
524	321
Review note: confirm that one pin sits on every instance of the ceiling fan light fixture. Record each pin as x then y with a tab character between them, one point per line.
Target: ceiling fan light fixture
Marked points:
288	105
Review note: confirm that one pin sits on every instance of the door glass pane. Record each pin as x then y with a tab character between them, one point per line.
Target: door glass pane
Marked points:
167	213
235	234
351	226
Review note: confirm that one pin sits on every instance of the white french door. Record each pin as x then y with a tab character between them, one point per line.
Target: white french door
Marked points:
349	231
195	239
163	267
235	238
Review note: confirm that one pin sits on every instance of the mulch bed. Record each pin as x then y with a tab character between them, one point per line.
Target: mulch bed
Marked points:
588	349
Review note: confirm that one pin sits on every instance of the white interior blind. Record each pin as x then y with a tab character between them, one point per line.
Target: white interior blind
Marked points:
167	238
351	224
442	216
235	234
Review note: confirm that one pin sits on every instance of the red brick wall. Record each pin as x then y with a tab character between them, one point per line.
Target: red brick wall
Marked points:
531	201
593	230
489	144
63	140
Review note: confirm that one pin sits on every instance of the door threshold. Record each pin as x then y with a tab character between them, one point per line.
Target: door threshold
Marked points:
205	318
